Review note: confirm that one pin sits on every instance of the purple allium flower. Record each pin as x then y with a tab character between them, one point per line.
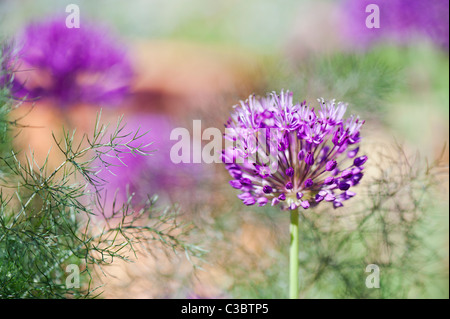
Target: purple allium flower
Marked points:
311	154
400	21
73	65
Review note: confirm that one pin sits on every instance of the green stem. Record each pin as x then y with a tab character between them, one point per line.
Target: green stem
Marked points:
293	257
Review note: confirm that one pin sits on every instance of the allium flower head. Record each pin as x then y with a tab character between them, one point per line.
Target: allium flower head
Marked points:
293	155
73	65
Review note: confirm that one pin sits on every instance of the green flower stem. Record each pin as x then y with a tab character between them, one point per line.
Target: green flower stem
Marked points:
293	257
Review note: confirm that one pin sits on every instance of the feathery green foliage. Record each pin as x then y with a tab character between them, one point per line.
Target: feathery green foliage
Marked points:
54	217
389	227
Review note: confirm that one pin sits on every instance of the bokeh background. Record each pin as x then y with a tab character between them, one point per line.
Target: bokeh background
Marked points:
193	60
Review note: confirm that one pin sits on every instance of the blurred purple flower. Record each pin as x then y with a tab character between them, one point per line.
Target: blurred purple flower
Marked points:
311	155
400	21
150	175
73	65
